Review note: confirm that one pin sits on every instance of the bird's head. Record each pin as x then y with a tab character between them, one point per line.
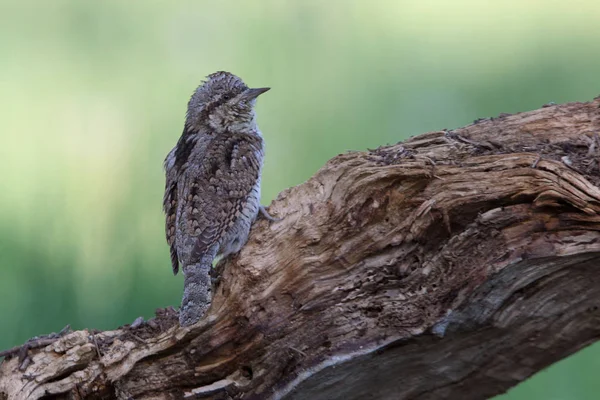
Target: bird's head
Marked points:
223	102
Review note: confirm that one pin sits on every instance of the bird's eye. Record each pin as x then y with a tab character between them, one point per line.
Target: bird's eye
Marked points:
227	97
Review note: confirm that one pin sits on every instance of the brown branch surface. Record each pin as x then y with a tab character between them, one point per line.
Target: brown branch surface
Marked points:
451	266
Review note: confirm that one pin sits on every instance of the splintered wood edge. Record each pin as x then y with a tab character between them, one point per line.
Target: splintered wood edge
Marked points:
462	261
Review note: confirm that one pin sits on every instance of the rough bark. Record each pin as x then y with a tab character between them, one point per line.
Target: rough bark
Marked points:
450	266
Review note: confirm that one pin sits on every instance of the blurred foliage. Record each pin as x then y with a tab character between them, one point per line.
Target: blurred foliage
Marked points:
93	95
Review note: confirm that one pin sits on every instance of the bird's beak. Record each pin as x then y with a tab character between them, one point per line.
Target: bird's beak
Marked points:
254	93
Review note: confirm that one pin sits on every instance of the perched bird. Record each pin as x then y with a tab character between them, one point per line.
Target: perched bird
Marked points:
212	192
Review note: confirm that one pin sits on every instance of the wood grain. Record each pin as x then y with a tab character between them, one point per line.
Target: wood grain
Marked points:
453	265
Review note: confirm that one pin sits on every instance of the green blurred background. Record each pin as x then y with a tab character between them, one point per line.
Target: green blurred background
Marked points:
93	96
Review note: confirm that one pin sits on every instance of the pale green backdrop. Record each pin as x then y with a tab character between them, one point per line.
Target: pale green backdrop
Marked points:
93	95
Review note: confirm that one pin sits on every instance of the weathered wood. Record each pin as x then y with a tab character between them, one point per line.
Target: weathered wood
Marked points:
453	265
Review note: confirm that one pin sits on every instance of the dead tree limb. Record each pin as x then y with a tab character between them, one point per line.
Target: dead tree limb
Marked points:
453	265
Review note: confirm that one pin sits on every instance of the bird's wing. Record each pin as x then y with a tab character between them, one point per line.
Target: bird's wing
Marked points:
218	194
170	206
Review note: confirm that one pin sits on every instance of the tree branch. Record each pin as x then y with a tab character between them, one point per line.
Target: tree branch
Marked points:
453	265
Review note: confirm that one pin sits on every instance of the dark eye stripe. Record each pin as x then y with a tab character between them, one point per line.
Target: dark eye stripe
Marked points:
210	106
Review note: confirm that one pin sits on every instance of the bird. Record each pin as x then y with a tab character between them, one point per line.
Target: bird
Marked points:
212	188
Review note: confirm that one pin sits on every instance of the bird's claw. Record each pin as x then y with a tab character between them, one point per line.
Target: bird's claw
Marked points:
267	216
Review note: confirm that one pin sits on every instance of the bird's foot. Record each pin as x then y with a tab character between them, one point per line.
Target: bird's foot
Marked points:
267	216
216	273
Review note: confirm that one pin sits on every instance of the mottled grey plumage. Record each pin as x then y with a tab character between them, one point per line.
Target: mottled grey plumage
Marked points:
212	192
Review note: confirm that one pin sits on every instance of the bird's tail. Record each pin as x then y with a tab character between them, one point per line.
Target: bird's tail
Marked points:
196	292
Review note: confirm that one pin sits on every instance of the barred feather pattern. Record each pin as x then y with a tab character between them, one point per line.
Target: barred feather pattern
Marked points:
212	191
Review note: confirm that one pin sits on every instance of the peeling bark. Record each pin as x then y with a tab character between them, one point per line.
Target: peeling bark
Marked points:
453	265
